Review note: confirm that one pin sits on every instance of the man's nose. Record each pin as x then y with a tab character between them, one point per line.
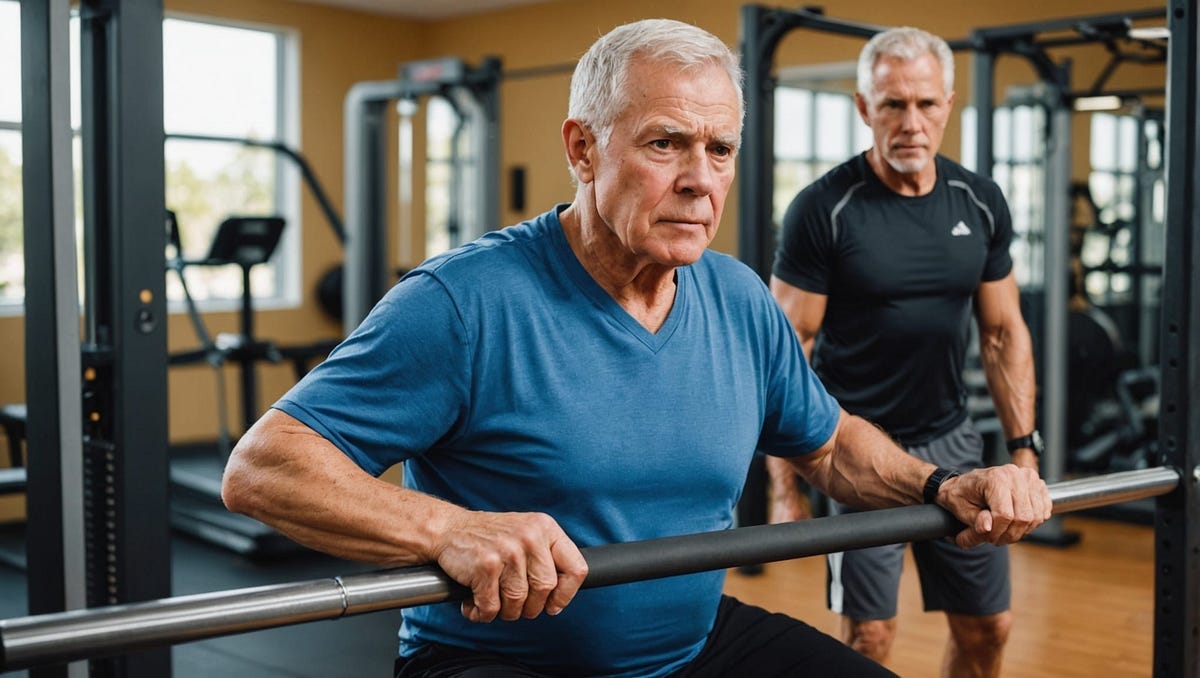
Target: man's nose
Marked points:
912	117
696	173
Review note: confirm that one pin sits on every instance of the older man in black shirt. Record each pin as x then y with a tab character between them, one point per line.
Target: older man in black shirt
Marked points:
880	265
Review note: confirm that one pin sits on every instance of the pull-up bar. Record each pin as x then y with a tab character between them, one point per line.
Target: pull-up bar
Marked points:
104	631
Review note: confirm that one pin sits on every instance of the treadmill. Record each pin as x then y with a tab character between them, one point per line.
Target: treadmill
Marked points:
196	469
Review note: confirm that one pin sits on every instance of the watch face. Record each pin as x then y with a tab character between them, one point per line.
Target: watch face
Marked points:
1038	444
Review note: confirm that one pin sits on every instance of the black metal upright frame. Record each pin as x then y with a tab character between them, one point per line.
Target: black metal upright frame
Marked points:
97	490
1177	519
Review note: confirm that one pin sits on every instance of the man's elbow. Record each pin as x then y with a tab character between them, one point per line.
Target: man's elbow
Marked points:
234	492
995	344
238	488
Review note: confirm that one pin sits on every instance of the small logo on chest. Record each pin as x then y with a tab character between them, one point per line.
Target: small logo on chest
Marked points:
960	229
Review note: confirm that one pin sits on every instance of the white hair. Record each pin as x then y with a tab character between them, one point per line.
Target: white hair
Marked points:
906	43
598	86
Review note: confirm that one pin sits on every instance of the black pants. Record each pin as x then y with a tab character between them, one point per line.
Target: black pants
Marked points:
745	641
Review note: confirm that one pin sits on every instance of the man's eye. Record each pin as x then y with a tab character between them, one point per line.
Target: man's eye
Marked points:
661	143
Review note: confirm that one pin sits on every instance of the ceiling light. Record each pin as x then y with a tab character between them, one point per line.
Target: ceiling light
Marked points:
1150	33
1100	103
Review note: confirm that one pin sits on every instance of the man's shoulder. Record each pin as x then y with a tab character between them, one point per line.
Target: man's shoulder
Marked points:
724	276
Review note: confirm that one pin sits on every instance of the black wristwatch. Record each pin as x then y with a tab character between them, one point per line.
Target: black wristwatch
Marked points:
939	476
1033	441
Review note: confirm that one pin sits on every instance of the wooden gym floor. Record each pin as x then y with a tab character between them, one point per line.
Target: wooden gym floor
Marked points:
1080	612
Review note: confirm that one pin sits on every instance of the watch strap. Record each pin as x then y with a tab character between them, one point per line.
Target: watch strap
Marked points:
934	482
1031	441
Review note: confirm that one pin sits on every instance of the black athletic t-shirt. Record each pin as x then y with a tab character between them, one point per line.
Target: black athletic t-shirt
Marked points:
899	274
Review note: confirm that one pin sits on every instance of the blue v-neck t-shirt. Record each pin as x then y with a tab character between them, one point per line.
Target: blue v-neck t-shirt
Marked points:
506	379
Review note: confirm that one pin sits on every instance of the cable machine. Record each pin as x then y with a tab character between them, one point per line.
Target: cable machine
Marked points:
97	470
472	93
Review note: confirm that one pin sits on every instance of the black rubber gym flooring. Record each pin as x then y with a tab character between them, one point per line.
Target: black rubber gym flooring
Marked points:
360	646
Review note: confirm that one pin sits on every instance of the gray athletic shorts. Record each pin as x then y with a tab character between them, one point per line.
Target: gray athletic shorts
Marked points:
864	584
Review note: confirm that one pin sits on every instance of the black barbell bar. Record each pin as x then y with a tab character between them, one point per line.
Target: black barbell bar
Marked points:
118	629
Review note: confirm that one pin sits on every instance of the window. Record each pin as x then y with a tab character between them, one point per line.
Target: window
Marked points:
447	160
459	168
1018	167
815	130
219	81
440	122
1128	194
227	83
12	263
1111	182
1122	250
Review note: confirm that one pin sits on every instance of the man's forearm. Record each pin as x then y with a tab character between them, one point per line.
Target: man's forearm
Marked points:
861	466
288	477
1007	361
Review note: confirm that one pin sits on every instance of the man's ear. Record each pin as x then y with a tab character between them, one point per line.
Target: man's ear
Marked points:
860	103
580	146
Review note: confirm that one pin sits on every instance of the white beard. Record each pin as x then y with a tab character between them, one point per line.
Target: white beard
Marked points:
908	166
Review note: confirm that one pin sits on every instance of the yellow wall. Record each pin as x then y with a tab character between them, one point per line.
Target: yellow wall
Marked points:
339	48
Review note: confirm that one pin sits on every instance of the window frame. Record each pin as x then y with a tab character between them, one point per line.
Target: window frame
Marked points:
288	259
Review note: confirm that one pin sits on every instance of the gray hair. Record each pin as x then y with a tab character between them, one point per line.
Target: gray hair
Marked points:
598	85
906	43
